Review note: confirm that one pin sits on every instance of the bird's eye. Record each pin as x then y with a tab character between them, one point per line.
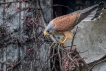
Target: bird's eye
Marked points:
48	31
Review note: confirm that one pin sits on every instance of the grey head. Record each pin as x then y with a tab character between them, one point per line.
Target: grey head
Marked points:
49	29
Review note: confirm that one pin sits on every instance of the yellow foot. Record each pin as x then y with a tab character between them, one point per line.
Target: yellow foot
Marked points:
62	42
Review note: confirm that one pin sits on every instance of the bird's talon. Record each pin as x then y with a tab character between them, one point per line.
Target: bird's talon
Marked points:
62	42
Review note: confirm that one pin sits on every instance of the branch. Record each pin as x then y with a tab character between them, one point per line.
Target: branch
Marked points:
73	38
12	2
97	64
63	6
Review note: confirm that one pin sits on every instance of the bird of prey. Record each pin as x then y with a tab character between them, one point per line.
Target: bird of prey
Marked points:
63	25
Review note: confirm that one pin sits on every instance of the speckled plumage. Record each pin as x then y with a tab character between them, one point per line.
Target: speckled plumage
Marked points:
65	22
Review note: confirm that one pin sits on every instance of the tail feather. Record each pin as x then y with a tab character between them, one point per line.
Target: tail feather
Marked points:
96	13
87	14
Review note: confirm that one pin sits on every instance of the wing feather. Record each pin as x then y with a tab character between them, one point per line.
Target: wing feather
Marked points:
64	22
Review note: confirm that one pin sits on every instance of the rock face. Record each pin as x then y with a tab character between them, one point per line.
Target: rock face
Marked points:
100	67
90	39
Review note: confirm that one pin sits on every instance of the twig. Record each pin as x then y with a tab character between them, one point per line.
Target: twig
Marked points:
12	2
84	62
73	38
4	62
63	6
59	54
97	64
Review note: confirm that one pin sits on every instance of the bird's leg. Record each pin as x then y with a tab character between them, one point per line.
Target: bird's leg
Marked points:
68	35
63	40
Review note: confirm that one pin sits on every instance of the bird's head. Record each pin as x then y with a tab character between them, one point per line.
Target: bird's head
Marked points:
49	30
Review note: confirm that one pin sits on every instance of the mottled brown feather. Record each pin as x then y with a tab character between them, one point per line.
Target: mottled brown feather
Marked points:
65	22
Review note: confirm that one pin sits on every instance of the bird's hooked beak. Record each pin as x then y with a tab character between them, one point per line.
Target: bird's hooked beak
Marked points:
46	33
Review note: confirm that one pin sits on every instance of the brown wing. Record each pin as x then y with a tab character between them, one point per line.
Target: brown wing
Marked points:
65	22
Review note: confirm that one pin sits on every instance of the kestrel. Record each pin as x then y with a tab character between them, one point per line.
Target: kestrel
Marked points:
63	25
